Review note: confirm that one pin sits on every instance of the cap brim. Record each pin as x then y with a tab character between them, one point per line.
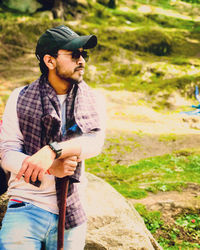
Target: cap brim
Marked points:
85	42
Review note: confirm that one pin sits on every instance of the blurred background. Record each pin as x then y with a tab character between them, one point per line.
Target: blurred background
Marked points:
147	65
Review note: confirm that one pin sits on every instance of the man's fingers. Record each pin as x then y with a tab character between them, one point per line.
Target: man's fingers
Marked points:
37	174
22	170
72	158
41	175
28	174
68	173
70	163
69	170
34	175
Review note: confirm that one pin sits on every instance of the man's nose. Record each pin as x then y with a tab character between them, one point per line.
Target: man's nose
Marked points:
81	60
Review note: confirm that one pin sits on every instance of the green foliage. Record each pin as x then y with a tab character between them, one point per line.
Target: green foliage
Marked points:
152	219
128	16
179	61
160	173
127	69
23	31
192	1
169	137
172	22
129	43
108	3
187	225
147	39
25	6
190	222
162	3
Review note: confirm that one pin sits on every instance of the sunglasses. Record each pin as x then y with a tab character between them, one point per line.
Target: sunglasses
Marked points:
76	54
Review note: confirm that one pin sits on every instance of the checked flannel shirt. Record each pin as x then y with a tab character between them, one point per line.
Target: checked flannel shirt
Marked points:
39	120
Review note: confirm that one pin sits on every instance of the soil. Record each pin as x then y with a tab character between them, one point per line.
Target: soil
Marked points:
153	133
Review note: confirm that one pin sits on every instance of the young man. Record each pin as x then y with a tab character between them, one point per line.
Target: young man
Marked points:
49	128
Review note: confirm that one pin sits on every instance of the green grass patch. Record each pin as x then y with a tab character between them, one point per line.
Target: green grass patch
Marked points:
160	173
168	138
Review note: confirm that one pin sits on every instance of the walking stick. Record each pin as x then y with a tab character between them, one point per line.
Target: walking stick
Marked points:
62	211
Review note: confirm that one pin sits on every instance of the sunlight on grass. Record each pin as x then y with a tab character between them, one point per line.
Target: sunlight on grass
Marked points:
161	173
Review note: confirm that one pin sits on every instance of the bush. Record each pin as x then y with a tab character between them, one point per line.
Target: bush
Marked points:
166	21
192	1
26	6
148	40
128	69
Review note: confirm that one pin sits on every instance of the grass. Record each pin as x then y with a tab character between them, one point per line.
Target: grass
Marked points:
151	175
160	173
130	43
186	228
155	174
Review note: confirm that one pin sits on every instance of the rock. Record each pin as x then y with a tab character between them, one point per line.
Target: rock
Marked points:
3	206
44	15
26	6
113	223
192	120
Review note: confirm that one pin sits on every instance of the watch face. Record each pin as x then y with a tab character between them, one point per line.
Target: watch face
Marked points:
55	145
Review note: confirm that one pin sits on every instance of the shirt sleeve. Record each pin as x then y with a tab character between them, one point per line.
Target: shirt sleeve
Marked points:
11	139
92	143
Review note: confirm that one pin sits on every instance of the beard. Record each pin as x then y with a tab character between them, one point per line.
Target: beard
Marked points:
66	77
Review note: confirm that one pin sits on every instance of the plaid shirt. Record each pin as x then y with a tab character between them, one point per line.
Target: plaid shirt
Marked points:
38	111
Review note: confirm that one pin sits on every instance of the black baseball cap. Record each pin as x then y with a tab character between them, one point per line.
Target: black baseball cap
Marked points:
62	37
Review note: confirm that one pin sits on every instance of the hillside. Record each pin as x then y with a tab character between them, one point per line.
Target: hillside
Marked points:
147	64
151	48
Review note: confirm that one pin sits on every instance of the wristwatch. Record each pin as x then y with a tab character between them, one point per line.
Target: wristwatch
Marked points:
56	148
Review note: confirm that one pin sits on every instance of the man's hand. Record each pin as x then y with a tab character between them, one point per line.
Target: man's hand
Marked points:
64	167
36	165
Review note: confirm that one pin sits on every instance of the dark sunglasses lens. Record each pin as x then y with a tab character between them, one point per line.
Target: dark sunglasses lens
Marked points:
76	54
85	55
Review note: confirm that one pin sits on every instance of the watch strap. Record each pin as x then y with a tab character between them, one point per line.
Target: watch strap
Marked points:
56	148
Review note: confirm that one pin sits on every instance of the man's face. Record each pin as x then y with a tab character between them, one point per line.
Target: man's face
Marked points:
69	68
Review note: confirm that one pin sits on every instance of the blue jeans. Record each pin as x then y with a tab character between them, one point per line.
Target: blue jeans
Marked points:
26	226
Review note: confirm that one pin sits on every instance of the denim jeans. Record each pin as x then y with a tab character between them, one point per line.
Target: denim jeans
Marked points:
26	226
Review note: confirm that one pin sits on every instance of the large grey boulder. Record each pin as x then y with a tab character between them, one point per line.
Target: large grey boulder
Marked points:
113	223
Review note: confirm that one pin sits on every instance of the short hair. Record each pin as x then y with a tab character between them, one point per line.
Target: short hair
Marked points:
43	68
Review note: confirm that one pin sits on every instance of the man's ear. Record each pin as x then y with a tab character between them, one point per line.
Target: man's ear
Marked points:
49	61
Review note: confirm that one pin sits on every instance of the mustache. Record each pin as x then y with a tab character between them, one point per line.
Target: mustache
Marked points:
79	67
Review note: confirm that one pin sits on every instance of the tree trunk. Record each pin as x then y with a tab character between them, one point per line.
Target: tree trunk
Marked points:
112	4
58	9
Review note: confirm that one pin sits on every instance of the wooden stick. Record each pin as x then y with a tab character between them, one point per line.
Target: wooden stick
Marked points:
62	212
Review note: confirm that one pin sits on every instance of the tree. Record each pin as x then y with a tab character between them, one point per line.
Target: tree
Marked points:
58	9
